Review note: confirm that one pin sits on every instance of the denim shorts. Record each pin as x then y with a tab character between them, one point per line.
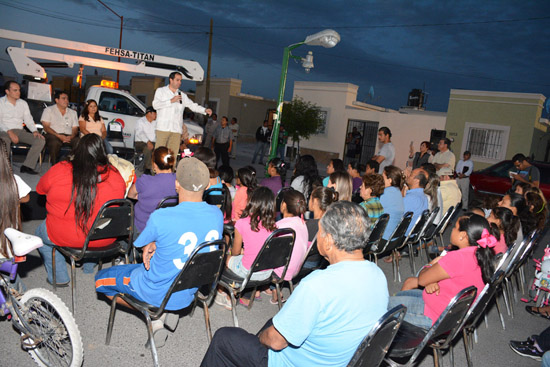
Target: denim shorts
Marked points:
235	264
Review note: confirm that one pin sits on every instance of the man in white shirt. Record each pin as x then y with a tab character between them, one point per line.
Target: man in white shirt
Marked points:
14	112
145	136
235	130
170	102
444	160
60	124
386	154
464	169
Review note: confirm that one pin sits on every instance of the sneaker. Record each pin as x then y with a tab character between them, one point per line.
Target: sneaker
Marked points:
224	301
160	334
526	349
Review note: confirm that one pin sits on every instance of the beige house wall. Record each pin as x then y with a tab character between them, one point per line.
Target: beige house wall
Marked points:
519	113
144	87
339	100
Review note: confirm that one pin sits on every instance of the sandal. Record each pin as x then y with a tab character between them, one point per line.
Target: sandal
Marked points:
388	259
531	310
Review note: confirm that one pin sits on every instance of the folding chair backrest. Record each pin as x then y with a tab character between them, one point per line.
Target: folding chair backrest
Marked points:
485	296
514	256
168	202
418	227
378	230
430	222
532	239
114	219
374	347
216	196
275	253
445	221
441	225
203	267
397	238
450	321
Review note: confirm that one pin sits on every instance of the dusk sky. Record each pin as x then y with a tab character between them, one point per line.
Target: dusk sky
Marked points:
394	46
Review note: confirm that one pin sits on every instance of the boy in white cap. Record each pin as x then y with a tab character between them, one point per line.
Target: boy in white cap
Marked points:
169	237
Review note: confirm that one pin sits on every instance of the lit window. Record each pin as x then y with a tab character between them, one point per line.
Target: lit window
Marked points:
486	142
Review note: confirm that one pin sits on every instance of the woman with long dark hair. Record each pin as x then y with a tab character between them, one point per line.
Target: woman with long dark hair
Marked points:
306	175
75	191
90	122
246	180
470	265
335	165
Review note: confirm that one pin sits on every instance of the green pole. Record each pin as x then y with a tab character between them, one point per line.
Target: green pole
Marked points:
280	100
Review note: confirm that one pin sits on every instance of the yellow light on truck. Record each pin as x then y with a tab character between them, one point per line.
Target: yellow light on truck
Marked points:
109	84
193	141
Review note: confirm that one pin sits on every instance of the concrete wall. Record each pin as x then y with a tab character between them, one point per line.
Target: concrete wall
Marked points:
144	87
339	100
220	91
517	111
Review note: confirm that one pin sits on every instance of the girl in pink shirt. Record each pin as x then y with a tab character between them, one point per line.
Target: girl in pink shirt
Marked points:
293	208
508	226
246	182
445	276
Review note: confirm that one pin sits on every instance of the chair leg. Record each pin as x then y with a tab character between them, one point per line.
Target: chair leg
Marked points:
452	355
151	341
510	300
207	321
499	312
234	308
436	356
291	286
252	298
467	347
396	260
111	320
73	283
54	271
279	296
411	259
506	297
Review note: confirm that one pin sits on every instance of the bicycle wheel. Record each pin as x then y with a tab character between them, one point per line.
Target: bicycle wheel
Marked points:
53	329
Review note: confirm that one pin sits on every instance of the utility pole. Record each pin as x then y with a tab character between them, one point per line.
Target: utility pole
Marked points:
120	38
207	92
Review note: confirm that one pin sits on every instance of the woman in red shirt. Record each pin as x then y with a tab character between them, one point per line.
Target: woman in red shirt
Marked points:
75	191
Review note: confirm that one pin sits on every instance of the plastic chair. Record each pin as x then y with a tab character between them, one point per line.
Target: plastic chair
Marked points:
202	270
114	220
275	253
396	240
411	340
376	233
373	348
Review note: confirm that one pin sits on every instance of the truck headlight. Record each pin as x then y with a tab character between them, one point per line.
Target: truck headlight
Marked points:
195	139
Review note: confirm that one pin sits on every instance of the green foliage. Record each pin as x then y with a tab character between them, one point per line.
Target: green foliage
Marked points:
301	119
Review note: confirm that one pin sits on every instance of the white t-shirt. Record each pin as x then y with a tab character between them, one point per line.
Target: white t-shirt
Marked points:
388	152
22	187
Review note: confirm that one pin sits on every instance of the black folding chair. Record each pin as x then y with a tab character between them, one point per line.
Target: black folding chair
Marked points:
303	272
275	253
373	348
216	196
114	220
415	235
202	270
419	238
376	234
168	202
411	339
390	246
432	234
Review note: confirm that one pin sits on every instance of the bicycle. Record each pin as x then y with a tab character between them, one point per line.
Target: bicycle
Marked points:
48	330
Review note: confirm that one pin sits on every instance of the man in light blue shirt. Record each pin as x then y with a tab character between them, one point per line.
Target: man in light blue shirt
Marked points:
327	316
415	200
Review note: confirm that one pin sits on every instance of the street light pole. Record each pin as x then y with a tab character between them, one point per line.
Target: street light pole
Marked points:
328	39
120	38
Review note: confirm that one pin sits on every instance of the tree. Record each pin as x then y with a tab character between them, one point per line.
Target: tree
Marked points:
301	119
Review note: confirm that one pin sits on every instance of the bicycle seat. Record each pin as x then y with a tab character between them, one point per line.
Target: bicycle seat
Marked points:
22	243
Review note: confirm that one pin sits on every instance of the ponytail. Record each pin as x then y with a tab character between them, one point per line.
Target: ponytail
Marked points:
474	226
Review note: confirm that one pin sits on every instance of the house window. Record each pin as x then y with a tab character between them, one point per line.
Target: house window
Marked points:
486	142
323	128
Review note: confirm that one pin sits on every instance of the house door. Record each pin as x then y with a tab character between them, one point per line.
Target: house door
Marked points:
361	139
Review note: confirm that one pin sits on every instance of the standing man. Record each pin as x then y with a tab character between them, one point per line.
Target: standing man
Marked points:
444	160
281	146
170	236
209	129
526	172
235	130
415	200
386	154
327	316
145	137
222	142
170	102
14	112
262	137
464	169
60	124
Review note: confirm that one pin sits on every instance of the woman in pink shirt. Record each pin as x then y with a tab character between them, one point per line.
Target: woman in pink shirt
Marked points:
508	226
246	182
446	275
251	231
293	208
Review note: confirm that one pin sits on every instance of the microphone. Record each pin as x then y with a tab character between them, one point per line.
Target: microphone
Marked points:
179	94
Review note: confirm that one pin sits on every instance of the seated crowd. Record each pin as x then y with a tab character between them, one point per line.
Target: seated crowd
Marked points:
321	328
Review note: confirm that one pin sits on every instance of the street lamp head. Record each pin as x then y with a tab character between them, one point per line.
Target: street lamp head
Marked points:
327	38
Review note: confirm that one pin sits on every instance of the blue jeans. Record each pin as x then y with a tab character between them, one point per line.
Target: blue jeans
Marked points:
546	359
260	148
62	275
412	299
